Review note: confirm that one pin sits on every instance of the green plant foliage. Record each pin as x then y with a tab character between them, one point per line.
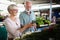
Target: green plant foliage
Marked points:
1	17
42	21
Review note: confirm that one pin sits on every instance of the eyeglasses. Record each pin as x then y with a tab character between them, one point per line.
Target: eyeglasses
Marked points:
13	9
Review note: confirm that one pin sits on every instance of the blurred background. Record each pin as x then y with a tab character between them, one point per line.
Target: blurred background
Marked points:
43	7
46	11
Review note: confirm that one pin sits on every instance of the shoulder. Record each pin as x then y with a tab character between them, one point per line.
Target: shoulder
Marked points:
7	20
22	14
32	12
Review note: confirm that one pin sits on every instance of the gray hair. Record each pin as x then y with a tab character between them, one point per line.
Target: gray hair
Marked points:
12	5
27	1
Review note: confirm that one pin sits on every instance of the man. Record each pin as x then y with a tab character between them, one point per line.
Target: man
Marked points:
27	16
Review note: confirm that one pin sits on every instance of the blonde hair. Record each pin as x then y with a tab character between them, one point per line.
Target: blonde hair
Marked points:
10	6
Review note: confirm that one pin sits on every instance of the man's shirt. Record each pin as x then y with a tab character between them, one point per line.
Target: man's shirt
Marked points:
25	18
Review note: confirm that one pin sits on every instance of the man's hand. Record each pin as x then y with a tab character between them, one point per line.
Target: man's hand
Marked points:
34	24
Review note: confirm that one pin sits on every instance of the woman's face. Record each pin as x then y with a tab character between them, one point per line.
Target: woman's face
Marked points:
13	11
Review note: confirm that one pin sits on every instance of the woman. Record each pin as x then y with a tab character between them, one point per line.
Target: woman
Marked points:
13	23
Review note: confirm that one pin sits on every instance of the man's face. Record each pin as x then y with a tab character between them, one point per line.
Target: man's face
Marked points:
28	5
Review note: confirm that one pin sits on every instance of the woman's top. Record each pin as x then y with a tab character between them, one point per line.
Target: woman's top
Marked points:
12	27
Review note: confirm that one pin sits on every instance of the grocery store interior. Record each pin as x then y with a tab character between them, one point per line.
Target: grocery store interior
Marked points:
47	20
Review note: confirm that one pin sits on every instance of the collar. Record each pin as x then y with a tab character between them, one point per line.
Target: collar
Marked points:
28	11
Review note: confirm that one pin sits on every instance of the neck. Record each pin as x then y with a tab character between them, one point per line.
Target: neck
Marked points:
12	17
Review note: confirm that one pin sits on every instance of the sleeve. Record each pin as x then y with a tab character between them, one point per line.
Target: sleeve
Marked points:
11	29
21	19
34	17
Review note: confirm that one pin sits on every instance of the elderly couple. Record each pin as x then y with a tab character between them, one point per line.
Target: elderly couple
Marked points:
13	24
